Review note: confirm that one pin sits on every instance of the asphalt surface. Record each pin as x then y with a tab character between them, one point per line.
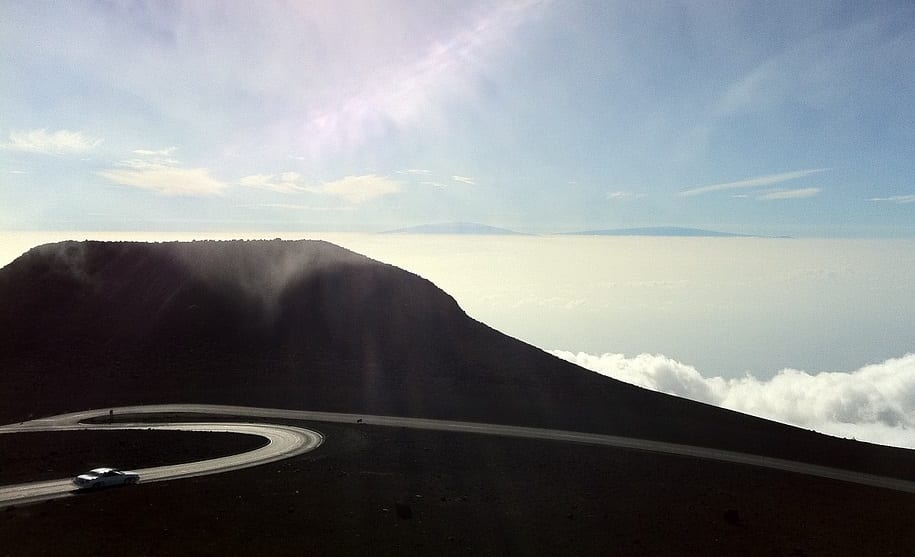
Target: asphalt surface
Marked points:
283	442
289	441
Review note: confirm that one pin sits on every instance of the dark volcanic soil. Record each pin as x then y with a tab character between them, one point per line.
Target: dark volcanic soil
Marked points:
384	491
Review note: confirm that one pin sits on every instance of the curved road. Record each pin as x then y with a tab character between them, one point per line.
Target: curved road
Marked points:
72	421
283	442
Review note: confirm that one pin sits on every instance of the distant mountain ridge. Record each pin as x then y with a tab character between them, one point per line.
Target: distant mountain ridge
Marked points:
468	228
476	229
671	231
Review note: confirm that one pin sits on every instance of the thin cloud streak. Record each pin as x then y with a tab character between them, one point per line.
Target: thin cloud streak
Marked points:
167	152
766	180
900	199
464	180
802	193
620	195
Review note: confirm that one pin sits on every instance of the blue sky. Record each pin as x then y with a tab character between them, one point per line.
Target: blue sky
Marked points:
764	118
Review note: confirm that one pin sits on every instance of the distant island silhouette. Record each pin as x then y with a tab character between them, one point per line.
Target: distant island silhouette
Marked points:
476	229
468	228
673	231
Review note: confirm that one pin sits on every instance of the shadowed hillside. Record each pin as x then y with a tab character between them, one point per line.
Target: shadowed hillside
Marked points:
310	325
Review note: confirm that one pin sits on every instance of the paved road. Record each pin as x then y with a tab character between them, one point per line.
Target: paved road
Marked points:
73	419
283	442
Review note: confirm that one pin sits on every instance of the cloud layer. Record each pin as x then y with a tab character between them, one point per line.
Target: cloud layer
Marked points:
875	403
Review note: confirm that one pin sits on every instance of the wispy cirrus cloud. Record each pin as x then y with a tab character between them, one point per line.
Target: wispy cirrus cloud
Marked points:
900	199
166	152
464	180
60	142
167	180
298	207
404	93
767	180
358	189
286	182
621	194
352	189
801	193
155	171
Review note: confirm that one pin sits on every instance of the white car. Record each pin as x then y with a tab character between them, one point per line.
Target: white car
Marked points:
105	477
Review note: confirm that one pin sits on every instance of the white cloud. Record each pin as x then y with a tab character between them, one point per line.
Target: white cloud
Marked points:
287	182
413	171
766	180
464	180
875	403
901	199
154	170
438	185
165	180
358	189
802	193
17	172
60	142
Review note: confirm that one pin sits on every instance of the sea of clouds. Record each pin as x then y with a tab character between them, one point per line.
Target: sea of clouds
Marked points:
875	403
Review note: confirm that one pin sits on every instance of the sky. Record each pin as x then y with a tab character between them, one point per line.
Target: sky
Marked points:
776	118
162	120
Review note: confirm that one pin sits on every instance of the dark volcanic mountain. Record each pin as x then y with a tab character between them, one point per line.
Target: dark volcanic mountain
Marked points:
310	325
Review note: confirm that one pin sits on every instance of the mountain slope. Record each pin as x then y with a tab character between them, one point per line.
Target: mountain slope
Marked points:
310	325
